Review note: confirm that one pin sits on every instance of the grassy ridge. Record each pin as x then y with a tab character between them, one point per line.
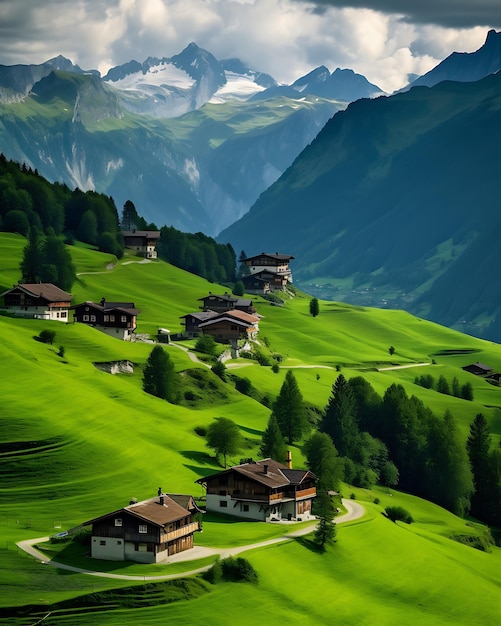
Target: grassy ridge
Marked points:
77	442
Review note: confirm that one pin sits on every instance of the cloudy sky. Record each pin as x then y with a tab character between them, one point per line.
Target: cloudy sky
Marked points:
386	40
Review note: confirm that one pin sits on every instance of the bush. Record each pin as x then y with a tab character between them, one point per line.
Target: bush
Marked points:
61	351
201	431
398	513
206	344
238	570
474	541
243	385
47	336
219	369
275	368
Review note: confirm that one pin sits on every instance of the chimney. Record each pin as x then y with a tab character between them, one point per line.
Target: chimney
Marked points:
103	300
265	469
289	459
162	500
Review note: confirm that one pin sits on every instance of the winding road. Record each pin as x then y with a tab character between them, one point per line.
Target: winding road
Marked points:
354	511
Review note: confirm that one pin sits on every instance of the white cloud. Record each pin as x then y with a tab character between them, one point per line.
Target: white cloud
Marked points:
285	38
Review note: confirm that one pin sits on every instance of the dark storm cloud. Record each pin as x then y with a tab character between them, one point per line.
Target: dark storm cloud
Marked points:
445	13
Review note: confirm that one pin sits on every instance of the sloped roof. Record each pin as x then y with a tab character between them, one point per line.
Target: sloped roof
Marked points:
277	474
124	307
276	256
201	316
150	511
48	291
149	234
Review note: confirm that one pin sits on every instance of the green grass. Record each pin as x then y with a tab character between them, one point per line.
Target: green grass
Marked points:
77	442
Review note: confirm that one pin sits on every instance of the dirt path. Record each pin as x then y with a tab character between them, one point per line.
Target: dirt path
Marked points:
401	367
354	511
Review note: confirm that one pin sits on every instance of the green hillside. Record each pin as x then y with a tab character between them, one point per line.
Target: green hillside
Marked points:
77	442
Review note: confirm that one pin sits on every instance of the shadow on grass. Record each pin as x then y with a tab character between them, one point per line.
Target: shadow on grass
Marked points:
310	545
251	431
197	455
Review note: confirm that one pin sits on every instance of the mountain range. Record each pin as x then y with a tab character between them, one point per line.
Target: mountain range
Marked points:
396	203
194	142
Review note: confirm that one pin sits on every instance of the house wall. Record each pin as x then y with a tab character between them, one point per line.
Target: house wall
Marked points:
246	510
107	548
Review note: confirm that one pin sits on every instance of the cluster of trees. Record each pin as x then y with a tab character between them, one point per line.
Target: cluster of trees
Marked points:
199	254
363	438
47	260
28	201
442	385
159	376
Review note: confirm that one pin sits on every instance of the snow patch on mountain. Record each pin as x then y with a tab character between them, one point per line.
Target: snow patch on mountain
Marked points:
162	76
238	87
191	170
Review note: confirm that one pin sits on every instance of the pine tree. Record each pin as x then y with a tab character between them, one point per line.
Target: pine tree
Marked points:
32	258
323	461
485	500
273	444
325	532
159	376
339	420
289	409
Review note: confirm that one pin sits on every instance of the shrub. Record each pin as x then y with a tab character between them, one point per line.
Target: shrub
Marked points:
47	336
238	570
206	344
275	368
398	513
61	351
243	385
377	500
201	431
219	369
474	541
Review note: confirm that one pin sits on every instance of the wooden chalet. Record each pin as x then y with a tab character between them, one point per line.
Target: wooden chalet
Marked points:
261	490
117	319
273	268
147	532
144	242
192	321
479	369
231	326
226	302
38	300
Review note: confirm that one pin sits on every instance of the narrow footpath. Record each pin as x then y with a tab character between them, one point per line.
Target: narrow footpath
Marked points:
354	511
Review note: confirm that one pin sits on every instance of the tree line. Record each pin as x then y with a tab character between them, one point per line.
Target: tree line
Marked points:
363	438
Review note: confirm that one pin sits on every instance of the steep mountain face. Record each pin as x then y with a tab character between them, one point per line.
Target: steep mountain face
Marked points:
466	66
198	172
396	203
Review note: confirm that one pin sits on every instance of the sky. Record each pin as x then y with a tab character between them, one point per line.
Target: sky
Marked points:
388	41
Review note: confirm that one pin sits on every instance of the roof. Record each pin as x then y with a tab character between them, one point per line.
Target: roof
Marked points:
151	511
201	316
479	366
38	290
241	318
149	234
124	307
225	296
277	474
276	256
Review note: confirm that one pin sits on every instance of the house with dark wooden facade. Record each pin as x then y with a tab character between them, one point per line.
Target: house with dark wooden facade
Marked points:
144	242
38	300
117	319
226	302
272	267
479	369
225	327
261	490
261	282
147	532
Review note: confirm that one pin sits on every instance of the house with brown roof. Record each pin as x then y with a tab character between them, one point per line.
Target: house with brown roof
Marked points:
38	300
226	302
117	319
225	327
271	267
144	242
261	490
147	532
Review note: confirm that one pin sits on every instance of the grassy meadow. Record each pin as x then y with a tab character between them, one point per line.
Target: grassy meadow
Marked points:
76	442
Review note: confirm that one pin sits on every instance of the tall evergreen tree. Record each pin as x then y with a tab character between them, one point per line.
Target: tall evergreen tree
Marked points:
289	409
273	444
32	258
323	461
449	480
339	420
159	376
485	500
325	532
314	307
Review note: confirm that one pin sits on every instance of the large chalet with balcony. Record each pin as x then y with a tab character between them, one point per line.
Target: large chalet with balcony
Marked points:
37	300
267	272
261	490
117	319
226	302
228	327
146	532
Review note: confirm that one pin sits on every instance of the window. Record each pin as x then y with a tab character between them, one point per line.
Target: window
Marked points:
106	318
124	318
118	521
246	508
85	318
112	318
119	542
143	528
92	318
223	504
63	314
102	542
